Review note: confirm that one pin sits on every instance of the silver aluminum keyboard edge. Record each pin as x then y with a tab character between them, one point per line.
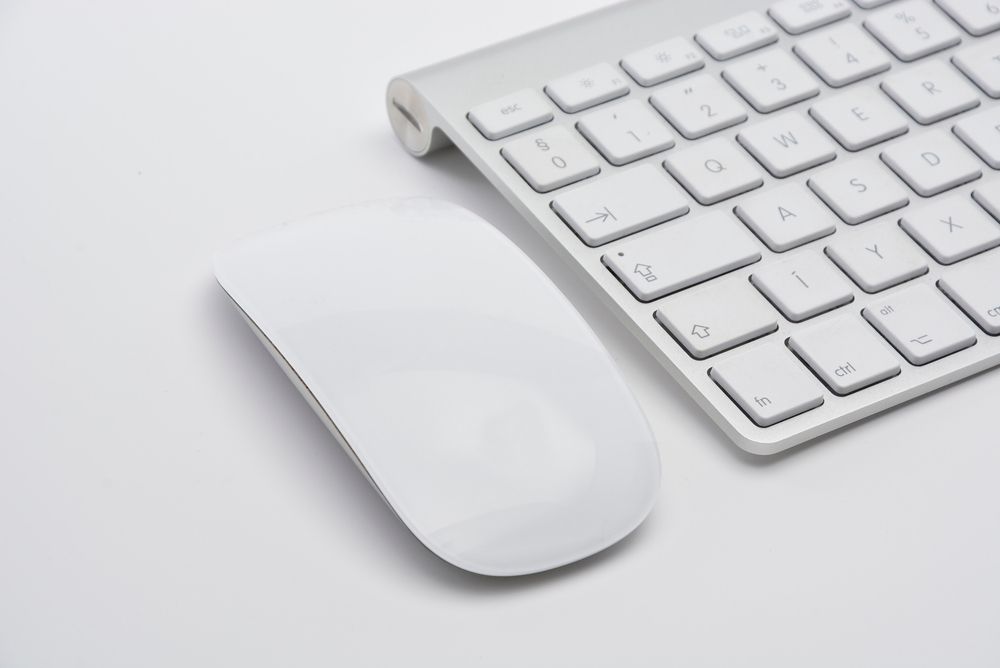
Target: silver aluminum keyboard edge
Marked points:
428	107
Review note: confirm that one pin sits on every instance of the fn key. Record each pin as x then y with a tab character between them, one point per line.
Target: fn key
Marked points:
768	383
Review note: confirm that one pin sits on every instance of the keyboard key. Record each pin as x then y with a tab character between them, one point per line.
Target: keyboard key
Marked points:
932	162
930	92
768	383
951	229
981	133
550	159
713	170
699	106
869	4
859	118
620	204
676	256
787	144
719	316
786	217
912	29
878	259
920	323
587	88
975	287
511	114
978	17
845	353
771	80
663	61
859	190
736	36
988	196
798	16
842	55
626	132
803	286
981	63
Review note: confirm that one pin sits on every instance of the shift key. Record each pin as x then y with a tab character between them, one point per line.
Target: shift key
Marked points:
717	317
679	254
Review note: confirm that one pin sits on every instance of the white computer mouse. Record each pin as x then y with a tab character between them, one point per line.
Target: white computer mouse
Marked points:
462	382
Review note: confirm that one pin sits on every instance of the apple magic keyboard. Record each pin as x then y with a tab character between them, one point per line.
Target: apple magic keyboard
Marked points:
794	206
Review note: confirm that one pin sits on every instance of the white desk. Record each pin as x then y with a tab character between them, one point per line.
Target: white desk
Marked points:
167	498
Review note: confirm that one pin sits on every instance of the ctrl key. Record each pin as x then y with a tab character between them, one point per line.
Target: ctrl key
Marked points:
769	384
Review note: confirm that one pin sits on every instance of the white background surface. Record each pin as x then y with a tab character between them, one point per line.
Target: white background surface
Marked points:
167	498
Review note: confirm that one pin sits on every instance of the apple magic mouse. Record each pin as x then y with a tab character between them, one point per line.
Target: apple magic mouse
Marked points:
459	379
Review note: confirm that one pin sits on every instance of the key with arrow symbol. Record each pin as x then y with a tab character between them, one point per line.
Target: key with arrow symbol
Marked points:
603	216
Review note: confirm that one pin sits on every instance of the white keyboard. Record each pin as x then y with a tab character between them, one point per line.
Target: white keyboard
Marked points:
795	207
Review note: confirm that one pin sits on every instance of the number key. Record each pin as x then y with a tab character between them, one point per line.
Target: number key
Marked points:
550	159
912	29
626	132
699	106
978	17
771	80
842	55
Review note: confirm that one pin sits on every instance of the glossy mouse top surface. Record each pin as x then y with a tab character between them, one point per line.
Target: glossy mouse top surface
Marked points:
476	398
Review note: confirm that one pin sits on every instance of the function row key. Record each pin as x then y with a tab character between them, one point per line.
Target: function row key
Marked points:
799	16
511	114
587	88
738	35
662	62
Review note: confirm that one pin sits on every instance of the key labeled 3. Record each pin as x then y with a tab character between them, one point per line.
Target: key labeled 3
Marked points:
771	80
